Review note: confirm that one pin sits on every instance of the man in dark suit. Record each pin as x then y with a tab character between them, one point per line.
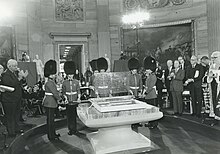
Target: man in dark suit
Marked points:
194	81
159	84
168	70
11	100
184	65
176	87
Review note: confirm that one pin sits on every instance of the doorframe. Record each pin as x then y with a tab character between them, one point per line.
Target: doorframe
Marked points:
83	57
72	38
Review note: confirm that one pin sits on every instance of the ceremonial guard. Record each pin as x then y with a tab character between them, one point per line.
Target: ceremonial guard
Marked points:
101	80
51	98
71	89
149	92
134	83
213	80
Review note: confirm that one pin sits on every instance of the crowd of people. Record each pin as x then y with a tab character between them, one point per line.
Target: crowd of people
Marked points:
146	85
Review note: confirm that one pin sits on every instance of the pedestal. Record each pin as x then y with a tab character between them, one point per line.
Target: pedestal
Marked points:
118	139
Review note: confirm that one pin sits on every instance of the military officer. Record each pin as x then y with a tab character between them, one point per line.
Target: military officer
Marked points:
71	89
149	91
134	83
101	80
51	98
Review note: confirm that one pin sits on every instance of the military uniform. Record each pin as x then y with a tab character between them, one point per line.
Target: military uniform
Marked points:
134	83
150	86
71	89
101	81
51	98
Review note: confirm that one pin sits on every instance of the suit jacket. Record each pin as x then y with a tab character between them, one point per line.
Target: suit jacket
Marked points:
51	100
159	83
10	79
196	74
186	66
150	86
167	81
176	83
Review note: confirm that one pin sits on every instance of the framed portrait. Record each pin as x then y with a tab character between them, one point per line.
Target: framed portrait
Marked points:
7	44
163	42
69	10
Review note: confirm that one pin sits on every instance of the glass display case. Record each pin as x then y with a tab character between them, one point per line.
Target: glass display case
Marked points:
113	116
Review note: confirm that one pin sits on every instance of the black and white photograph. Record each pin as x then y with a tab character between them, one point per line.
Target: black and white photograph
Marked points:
109	77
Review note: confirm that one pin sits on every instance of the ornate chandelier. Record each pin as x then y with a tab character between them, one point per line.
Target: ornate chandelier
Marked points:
136	18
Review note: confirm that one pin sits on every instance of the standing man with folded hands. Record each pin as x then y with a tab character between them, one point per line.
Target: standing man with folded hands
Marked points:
11	99
194	82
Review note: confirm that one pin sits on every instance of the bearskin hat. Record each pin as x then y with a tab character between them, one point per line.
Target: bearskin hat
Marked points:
102	64
93	65
150	63
69	67
133	63
50	68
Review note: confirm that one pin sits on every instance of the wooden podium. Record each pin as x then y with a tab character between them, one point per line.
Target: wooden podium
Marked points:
32	71
120	66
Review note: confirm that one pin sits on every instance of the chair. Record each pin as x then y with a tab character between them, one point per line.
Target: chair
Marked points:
187	102
165	98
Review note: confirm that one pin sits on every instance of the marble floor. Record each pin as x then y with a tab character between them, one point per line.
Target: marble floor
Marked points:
173	136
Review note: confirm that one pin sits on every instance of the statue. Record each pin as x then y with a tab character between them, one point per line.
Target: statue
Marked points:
109	63
40	67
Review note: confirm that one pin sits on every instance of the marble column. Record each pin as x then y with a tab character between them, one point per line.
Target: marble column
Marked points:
103	28
213	16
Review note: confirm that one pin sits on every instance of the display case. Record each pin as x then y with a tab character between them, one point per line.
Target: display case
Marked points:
113	116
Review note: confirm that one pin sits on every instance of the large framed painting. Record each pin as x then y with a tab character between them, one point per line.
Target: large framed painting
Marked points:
69	10
162	42
7	44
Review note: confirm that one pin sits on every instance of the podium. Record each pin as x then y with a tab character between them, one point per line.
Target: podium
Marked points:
120	66
32	71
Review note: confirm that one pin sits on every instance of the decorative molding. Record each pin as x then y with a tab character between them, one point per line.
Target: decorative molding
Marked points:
162	24
69	10
56	34
129	5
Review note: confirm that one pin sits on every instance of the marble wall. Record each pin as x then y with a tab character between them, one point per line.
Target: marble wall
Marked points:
34	19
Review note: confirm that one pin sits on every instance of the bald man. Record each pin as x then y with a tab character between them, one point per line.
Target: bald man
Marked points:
194	81
11	100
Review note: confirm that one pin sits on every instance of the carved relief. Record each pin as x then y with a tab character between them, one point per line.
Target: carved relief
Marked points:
69	10
150	4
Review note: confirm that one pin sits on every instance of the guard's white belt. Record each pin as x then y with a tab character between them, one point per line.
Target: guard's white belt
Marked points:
103	87
71	93
49	94
134	87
